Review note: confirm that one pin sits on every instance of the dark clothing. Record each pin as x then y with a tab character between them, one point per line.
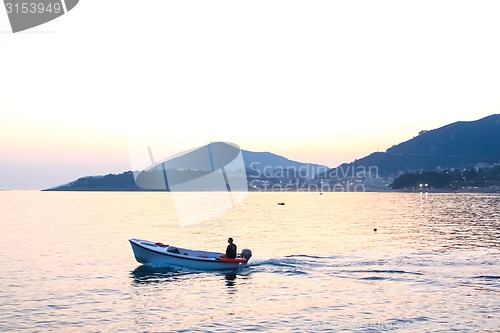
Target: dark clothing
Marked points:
231	251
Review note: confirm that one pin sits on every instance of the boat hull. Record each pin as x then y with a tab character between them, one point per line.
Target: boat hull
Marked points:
149	253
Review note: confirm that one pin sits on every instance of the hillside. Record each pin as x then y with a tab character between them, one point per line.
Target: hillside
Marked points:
460	144
457	145
264	161
112	182
264	164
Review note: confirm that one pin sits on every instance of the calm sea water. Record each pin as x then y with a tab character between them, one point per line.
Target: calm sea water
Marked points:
432	265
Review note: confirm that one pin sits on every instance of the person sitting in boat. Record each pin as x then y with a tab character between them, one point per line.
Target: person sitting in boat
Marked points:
231	249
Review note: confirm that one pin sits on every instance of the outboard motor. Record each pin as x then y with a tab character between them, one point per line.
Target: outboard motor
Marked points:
247	254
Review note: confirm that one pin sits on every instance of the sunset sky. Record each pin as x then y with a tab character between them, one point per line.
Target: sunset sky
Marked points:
315	81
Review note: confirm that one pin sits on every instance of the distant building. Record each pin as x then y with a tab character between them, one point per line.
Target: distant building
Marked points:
483	166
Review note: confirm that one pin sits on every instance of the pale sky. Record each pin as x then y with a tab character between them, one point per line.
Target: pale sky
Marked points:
315	81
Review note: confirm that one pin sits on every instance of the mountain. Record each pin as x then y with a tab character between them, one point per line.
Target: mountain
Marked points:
260	165
265	162
460	144
112	182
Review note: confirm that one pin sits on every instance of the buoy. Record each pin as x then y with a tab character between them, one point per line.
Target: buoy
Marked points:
374	229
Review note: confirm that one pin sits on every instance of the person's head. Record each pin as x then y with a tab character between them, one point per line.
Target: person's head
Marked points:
230	240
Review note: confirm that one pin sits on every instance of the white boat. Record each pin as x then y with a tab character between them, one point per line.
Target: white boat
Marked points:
151	253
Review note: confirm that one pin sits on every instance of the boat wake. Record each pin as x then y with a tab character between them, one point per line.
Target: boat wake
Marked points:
425	268
416	267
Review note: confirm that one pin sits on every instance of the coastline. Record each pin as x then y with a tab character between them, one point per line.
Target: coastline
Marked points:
476	190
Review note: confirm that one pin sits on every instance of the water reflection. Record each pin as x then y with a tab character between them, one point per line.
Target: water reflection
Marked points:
150	275
144	274
183	296
459	222
231	282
